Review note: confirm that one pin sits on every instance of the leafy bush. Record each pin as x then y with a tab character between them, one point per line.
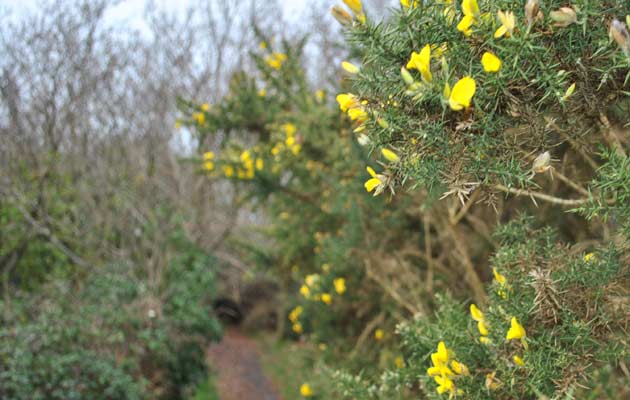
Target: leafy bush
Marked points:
111	337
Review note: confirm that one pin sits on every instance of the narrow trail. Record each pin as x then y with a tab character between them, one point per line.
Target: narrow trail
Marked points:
239	372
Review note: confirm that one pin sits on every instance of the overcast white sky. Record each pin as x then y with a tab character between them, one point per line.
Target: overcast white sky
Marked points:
130	12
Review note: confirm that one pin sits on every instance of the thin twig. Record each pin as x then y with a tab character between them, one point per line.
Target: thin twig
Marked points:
542	196
427	251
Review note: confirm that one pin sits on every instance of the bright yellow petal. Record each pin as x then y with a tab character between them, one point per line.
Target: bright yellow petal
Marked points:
516	330
413	59
442	352
476	313
470	7
499	278
490	62
372	183
462	93
465	24
349	67
500	32
390	155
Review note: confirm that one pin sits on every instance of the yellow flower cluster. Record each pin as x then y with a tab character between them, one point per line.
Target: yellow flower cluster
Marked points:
503	285
246	169
311	288
378	182
482	326
289	141
444	375
208	164
349	103
294	317
275	60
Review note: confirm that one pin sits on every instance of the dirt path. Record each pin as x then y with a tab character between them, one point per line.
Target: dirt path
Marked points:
239	373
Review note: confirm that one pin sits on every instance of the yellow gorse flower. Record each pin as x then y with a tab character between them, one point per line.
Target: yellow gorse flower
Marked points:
478	316
462	93
516	332
498	277
357	9
490	62
508	22
409	3
294	315
379	334
459	368
390	155
305	390
440	371
199	118
518	361
311	279
275	60
470	8
476	313
347	101
357	114
297	328
228	171
305	291
326	298
373	182
588	257
340	285
445	384
349	67
422	62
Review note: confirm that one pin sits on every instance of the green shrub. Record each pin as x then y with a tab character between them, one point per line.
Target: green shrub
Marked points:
109	336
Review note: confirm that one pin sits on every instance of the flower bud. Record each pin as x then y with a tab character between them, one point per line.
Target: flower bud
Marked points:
619	32
569	92
563	17
532	8
382	123
406	76
341	15
363	139
349	67
542	163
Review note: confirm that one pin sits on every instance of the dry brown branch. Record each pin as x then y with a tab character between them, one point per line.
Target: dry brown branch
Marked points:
542	196
470	274
427	252
369	327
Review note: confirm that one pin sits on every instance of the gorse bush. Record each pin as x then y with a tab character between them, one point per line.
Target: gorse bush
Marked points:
461	118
